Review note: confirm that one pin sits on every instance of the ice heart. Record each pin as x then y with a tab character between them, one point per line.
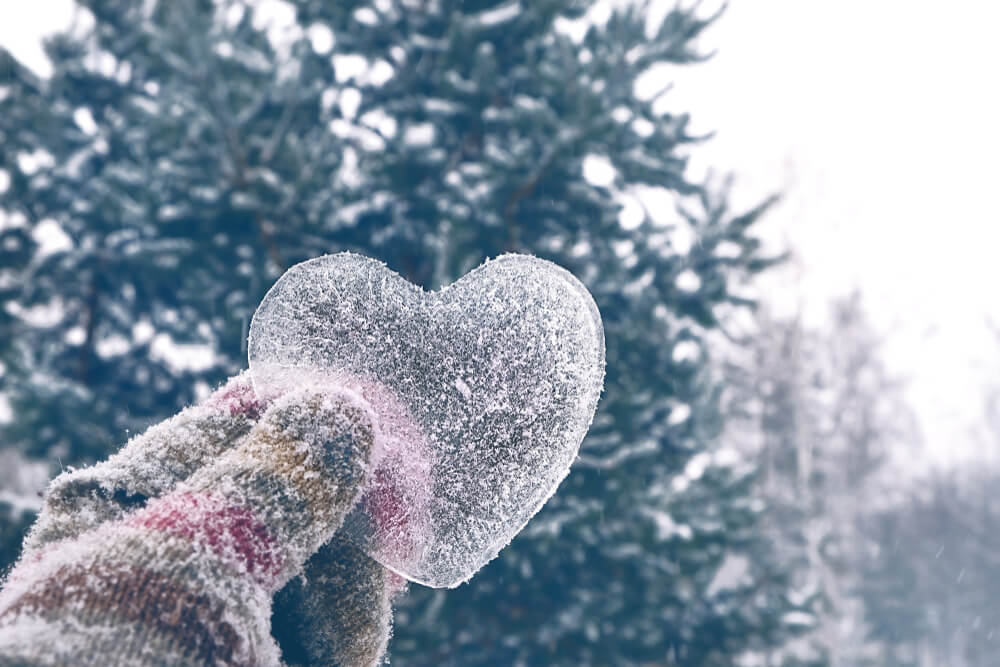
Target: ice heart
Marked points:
483	390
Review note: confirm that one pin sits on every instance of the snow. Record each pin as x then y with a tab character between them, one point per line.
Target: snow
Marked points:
142	332
276	17
441	106
380	73
40	315
366	16
728	250
29	163
233	15
181	356
687	281
679	414
799	618
112	346
483	392
12	219
380	121
419	134
576	29
328	98
21	479
529	103
85	120
349	101
51	238
643	127
666	527
697	465
497	15
463	388
727	457
349	65
733	572
621	114
321	38
681	237
598	170
75	336
686	350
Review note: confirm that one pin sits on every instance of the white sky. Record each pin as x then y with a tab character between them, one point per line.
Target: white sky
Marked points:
22	23
880	121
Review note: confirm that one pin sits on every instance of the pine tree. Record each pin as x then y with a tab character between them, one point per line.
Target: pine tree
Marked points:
190	159
186	179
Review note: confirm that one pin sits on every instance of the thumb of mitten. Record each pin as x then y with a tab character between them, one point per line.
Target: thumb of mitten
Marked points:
295	477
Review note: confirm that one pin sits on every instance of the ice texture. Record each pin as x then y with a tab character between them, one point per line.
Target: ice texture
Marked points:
483	391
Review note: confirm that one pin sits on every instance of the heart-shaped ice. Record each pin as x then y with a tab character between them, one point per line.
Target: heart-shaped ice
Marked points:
483	391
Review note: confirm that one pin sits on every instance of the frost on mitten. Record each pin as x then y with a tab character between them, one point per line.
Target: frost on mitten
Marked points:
339	612
148	466
189	578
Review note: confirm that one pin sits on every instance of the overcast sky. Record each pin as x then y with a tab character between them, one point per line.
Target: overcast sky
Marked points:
879	122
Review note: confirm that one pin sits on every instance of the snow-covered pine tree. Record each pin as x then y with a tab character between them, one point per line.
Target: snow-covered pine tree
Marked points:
185	174
189	153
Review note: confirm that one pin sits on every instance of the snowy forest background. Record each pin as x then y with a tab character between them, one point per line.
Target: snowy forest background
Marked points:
743	496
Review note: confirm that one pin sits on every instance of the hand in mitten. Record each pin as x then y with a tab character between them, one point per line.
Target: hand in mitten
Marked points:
148	466
189	577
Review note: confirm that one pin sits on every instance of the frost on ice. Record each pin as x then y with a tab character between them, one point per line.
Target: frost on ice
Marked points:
483	391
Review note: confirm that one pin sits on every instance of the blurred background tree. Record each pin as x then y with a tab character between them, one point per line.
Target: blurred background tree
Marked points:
185	153
930	572
930	580
816	407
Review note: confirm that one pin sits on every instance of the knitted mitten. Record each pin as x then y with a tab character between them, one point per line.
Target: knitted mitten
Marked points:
339	612
189	578
150	465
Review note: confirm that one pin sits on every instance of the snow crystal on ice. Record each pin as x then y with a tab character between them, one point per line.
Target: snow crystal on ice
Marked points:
483	392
